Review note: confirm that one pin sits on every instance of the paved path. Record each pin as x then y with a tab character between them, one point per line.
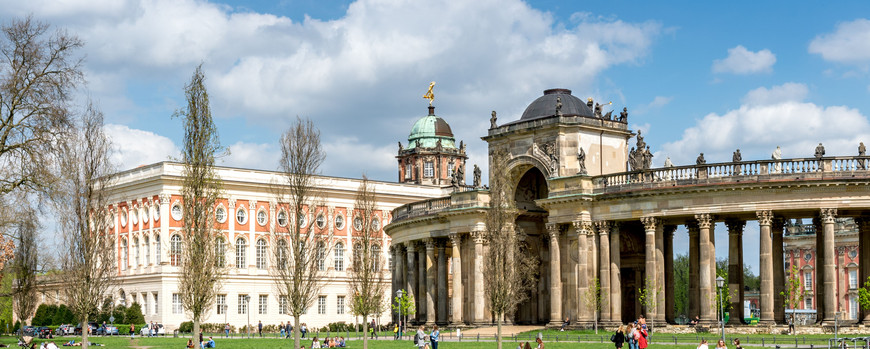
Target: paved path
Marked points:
505	330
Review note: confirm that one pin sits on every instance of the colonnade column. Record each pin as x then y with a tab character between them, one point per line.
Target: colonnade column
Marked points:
431	279
411	252
615	276
777	227
707	264
863	259
650	279
479	314
422	290
735	269
555	275
394	280
604	276
582	227
669	273
765	218
828	215
660	274
694	267
455	243
818	287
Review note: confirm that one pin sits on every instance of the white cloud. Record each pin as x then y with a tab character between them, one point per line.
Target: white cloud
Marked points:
742	61
850	43
769	118
355	157
263	156
135	148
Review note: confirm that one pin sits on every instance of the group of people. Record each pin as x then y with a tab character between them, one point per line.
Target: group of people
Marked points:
635	334
720	344
526	345
427	341
334	342
203	343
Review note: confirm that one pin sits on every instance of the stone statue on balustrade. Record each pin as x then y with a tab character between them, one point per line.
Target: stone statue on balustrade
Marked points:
597	111
737	157
700	160
633	164
623	115
777	155
668	162
647	159
492	121
861	152
476	176
581	159
820	151
640	142
400	147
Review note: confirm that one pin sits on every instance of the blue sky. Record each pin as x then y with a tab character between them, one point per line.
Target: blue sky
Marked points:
696	76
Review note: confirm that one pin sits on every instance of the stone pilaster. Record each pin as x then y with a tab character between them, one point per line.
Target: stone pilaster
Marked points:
669	273
441	312
604	265
706	272
765	218
819	270
776	230
694	268
863	223
735	269
479	301
650	270
412	284
827	216
431	281
422	290
583	228
456	243
615	277
555	275
660	274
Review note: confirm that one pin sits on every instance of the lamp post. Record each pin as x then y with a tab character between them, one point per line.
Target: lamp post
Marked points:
248	311
399	311
720	282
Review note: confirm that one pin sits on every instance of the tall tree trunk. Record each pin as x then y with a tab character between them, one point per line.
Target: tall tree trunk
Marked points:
297	339
85	329
196	334
498	325
365	332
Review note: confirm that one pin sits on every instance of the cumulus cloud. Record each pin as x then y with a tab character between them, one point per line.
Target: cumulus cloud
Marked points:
135	148
354	157
261	156
742	61
849	43
770	117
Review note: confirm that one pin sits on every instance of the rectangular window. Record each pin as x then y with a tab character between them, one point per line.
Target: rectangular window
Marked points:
407	171
282	305
808	302
144	304
221	304
808	280
156	307
449	169
321	304
428	169
340	305
176	303
243	304
264	304
853	307
853	279
157	249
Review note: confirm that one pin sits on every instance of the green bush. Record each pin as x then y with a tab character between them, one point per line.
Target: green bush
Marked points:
186	326
17	326
134	314
44	315
63	316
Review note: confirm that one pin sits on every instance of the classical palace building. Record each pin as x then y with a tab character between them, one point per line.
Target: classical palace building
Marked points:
593	208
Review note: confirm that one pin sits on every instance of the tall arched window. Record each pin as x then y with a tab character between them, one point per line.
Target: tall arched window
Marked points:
261	254
357	253
125	257
339	256
157	256
281	253
321	255
220	251
147	245
136	251
376	256
241	251
175	250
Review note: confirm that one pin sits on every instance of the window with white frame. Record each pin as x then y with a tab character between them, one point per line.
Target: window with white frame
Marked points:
144	304
175	250
450	169
156	306
339	305
262	218
339	256
176	303
263	304
808	280
428	169
407	171
261	254
243	304
853	307
282	218
221	304
282	253
339	222
176	212
853	279
321	255
241	216
124	254
147	246
220	214
157	257
376	256
808	302
136	252
241	252
220	250
282	305
321	304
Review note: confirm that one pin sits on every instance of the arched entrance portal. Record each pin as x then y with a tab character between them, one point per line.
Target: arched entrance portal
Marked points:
533	186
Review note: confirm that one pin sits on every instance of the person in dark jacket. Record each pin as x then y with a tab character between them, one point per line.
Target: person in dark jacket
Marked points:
619	337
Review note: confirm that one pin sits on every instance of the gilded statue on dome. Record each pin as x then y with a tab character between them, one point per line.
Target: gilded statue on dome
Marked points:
429	94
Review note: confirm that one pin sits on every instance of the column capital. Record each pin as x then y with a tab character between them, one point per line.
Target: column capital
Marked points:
693	227
704	220
411	246
232	203
828	215
777	225
455	239
603	227
735	226
253	205
583	227
649	223
478	236
552	230
430	244
669	230
164	198
765	217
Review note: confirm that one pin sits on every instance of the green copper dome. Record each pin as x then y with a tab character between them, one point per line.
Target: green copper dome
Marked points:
428	130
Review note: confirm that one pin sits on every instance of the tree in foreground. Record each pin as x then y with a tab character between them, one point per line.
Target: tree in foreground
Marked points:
647	297
405	306
201	274
81	201
793	293
510	270
299	251
25	263
366	279
594	300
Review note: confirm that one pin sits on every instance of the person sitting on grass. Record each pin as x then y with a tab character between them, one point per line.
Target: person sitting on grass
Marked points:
315	343
341	343
208	344
190	343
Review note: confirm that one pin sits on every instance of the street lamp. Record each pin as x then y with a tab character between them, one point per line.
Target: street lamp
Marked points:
248	311
720	282
399	311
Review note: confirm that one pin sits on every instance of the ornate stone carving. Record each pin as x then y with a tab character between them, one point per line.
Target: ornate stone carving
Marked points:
603	227
479	237
862	150
232	203
623	116
765	217
649	223
548	154
581	160
558	106
828	215
700	160
820	151
164	198
476	181
552	230
492	121
455	239
704	220
736	157
253	205
583	227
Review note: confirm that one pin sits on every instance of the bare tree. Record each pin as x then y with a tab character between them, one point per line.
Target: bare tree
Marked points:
510	270
201	271
298	250
82	199
594	300
366	278
37	75
793	294
25	264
